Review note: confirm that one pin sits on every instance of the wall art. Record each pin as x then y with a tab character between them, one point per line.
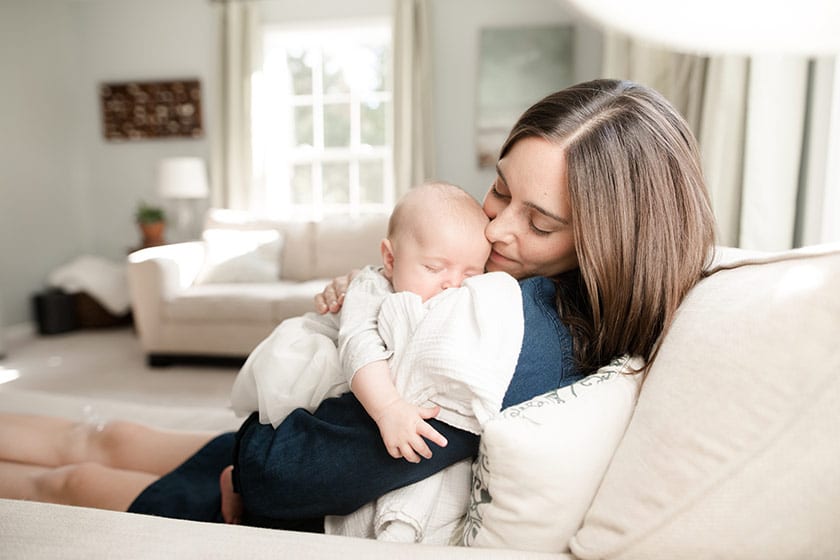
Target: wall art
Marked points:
517	67
143	110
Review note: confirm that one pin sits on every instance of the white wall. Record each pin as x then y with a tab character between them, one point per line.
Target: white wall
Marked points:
65	191
123	40
456	25
42	203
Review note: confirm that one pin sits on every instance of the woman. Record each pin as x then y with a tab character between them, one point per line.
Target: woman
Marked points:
598	189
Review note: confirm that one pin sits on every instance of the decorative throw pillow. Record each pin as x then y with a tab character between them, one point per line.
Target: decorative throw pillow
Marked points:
541	462
241	256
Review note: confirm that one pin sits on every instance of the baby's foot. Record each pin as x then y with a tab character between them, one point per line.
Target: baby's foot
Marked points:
231	501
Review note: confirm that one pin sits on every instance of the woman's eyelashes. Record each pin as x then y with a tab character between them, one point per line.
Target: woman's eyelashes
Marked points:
537	230
498	191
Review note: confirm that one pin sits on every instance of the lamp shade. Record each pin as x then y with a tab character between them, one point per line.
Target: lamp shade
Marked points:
182	177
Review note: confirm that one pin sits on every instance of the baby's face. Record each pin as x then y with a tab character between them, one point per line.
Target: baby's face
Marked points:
440	257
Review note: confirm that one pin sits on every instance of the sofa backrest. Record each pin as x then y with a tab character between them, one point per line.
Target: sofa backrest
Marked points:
732	451
322	249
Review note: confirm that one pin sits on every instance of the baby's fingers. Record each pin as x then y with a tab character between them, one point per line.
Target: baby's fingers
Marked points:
431	434
408	454
419	446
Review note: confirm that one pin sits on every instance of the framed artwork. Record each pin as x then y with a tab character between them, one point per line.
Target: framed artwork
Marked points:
517	67
142	110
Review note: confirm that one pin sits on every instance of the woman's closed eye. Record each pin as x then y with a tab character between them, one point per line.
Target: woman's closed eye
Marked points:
496	192
537	230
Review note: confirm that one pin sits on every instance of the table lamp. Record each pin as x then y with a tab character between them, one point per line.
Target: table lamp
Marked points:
184	180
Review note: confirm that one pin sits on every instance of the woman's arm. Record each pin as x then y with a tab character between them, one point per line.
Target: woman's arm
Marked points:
330	462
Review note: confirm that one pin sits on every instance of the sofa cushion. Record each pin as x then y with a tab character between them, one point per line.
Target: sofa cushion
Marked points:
233	256
733	450
540	462
243	302
331	255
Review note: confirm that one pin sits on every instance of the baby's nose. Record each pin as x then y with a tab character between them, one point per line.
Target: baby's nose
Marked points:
453	281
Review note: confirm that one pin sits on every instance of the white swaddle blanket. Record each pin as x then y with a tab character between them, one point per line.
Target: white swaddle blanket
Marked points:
457	351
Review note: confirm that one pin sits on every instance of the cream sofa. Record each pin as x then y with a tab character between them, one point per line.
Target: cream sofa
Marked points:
222	295
732	450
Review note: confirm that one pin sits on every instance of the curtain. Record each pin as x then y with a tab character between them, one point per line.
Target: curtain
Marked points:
764	128
413	130
232	181
678	77
818	219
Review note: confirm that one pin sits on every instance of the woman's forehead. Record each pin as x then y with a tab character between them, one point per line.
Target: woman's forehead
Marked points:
534	170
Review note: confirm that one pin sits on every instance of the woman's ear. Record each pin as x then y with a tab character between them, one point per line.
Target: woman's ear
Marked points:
387	250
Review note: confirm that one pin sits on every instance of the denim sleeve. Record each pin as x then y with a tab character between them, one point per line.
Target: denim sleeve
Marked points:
546	360
332	461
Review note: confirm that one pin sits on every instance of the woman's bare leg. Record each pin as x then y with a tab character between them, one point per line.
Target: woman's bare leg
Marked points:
52	442
85	484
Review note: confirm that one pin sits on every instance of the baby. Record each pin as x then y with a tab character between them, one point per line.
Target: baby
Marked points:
435	241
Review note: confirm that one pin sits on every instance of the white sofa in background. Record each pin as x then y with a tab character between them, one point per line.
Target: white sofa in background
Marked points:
222	295
732	450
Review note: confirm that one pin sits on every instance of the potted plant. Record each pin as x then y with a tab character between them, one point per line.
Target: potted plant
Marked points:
152	221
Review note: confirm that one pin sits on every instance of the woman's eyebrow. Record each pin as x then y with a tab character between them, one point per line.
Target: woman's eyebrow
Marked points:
546	213
533	206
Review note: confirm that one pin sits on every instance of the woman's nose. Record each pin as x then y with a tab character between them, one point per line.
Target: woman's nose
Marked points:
499	229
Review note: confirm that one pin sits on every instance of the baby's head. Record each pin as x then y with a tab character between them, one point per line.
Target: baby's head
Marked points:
435	240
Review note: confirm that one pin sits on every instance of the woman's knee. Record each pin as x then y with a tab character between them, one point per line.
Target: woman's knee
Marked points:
66	484
109	441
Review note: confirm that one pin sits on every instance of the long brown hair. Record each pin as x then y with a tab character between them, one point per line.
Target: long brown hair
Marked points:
643	224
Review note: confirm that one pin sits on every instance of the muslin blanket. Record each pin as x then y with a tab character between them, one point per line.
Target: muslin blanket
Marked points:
457	351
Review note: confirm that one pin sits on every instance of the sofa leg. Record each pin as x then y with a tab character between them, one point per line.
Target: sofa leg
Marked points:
159	360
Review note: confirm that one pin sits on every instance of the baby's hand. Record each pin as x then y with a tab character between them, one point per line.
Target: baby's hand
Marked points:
403	426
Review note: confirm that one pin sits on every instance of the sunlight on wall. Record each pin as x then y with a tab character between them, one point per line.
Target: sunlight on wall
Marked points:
7	375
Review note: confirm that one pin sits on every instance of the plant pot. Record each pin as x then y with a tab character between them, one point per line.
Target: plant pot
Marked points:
152	233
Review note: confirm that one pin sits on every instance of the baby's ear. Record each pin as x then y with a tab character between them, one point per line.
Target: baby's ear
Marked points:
387	250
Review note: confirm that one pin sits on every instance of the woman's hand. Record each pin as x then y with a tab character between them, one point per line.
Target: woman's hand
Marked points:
332	297
403	426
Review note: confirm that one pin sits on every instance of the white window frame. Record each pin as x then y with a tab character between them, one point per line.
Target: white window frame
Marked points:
273	122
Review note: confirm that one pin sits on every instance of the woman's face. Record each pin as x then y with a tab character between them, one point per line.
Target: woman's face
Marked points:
530	213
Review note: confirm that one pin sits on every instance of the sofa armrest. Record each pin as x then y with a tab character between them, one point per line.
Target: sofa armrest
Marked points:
179	263
40	530
156	275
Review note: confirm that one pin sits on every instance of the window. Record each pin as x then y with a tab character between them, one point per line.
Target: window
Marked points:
323	121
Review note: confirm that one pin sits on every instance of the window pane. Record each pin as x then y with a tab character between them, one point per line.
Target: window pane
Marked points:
300	68
371	188
336	183
337	125
373	123
380	66
304	135
334	71
302	184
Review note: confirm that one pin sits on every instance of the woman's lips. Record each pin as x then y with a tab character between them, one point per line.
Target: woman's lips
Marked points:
499	258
